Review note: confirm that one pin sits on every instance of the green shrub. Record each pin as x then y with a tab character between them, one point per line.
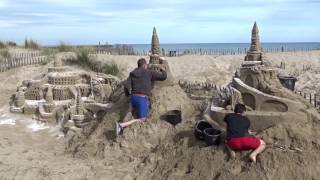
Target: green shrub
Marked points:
5	53
83	58
49	51
63	47
112	69
2	45
31	44
12	43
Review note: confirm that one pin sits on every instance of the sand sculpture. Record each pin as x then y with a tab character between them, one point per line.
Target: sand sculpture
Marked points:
156	60
256	84
64	95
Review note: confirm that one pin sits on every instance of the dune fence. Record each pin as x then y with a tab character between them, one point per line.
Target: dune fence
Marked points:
21	59
313	99
127	50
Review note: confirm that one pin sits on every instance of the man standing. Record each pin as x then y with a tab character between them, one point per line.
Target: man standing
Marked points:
239	136
139	86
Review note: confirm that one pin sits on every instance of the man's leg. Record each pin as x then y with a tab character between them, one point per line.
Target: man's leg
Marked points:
129	123
141	106
232	153
253	155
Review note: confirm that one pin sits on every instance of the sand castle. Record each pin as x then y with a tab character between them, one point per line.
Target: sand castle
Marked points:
64	95
156	60
256	85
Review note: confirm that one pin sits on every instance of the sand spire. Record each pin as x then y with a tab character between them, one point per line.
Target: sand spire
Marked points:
79	105
49	96
57	62
255	39
155	45
20	99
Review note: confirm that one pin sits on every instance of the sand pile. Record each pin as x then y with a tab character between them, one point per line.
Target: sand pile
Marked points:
141	137
156	150
140	142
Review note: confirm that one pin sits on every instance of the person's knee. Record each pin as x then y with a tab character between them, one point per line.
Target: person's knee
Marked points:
262	143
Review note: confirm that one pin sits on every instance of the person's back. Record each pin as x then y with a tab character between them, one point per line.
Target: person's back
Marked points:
140	80
237	124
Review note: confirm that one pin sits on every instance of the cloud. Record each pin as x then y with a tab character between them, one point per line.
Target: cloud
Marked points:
179	20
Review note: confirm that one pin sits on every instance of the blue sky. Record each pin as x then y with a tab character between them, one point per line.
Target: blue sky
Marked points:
177	21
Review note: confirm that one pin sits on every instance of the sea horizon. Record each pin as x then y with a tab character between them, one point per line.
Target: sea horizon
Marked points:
230	46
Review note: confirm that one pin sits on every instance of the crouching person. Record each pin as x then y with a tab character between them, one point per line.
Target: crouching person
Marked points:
239	136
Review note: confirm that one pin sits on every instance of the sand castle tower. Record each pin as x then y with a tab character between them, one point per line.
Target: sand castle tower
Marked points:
57	65
155	45
49	99
19	98
155	48
78	116
255	52
57	62
156	61
255	39
255	70
79	103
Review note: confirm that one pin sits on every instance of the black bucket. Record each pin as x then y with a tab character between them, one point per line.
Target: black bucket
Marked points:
200	127
173	117
212	136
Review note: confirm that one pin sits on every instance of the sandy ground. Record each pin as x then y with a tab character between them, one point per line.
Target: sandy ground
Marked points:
32	151
29	150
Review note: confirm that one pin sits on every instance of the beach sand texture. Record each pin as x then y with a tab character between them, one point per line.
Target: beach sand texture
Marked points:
156	150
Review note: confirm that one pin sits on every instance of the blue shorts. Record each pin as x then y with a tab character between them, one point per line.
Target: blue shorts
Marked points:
141	105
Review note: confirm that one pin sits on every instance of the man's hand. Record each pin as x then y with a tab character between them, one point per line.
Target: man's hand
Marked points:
162	67
252	132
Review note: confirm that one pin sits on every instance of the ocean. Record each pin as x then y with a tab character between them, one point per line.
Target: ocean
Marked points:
230	46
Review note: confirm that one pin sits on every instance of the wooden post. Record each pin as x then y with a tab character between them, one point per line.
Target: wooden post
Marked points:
315	100
310	98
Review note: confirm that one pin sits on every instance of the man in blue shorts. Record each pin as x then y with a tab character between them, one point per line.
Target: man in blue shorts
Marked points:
139	86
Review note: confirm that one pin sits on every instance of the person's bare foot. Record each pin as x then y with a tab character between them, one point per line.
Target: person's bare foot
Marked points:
232	154
253	158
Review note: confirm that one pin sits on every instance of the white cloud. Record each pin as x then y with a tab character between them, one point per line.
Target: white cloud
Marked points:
179	20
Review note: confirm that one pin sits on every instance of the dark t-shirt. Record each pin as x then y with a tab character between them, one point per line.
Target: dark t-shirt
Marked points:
140	79
237	125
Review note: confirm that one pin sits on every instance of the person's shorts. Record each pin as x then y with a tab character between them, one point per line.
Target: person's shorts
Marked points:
140	104
244	143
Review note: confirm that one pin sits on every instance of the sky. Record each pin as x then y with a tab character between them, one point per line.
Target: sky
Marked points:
177	21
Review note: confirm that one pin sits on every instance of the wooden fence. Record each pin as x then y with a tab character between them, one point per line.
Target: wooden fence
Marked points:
313	99
200	51
14	62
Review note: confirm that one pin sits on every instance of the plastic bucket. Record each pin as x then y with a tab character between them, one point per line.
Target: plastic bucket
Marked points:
200	127
173	117
212	136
